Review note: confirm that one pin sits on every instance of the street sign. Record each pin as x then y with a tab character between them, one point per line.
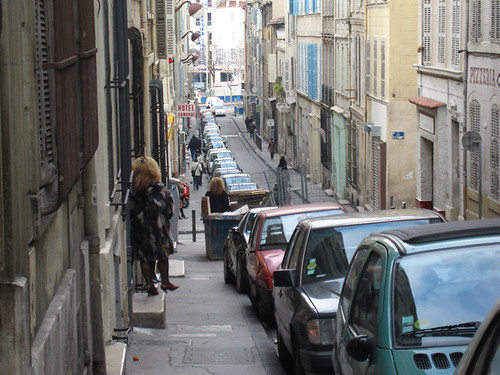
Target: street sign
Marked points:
471	141
186	110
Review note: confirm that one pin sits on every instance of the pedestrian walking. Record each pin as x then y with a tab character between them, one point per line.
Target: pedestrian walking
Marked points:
194	146
282	164
197	172
271	147
219	199
151	208
180	189
251	129
248	121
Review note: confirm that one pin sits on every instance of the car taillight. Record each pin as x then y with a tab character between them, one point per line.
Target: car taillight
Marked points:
263	278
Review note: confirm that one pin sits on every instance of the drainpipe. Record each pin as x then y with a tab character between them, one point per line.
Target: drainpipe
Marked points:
145	74
464	127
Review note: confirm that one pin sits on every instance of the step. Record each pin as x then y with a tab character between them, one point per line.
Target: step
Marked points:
116	355
149	311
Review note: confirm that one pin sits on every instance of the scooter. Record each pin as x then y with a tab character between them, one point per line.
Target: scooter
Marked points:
185	198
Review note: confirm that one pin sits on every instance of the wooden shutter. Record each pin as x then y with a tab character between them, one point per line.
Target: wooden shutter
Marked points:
161	29
476	21
455	37
474	119
375	67
367	66
382	69
427	32
495	154
441	43
495	21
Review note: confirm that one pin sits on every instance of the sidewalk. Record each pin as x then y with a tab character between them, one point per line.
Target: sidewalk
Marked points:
210	328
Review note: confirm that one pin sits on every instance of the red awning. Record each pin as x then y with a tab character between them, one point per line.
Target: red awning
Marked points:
429	103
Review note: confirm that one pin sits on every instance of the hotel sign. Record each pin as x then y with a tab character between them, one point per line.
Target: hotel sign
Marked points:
186	110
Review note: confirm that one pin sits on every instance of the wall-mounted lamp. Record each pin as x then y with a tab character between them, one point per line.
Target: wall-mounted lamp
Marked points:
192	59
194	35
195	10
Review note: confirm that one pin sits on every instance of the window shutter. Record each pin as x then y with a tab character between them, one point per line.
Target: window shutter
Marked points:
161	29
375	67
455	37
441	32
45	117
427	30
495	21
495	153
476	20
475	110
367	66
170	27
382	69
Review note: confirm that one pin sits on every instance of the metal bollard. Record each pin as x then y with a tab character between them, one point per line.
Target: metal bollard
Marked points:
193	224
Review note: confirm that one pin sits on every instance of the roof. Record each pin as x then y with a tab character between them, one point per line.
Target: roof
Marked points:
301	208
429	103
366	217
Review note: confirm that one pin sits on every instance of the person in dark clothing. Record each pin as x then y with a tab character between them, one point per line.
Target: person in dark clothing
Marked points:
251	129
194	146
271	147
248	121
151	208
219	199
282	164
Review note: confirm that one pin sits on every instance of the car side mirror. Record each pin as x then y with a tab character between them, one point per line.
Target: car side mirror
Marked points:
361	347
284	278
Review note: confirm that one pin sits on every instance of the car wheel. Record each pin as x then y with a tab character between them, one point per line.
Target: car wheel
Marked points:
299	369
228	275
283	353
241	276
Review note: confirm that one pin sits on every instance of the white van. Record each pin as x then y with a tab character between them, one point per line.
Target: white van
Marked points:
212	101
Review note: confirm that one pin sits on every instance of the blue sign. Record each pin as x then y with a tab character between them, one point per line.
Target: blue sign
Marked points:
398	135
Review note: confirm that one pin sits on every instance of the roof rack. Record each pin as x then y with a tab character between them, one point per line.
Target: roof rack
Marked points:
447	231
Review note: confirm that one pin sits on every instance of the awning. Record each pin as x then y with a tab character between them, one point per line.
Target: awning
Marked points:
429	103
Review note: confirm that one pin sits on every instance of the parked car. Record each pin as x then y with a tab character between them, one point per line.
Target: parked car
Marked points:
225	163
234	250
237	178
215	154
219	110
215	145
266	246
219	172
413	298
483	353
308	282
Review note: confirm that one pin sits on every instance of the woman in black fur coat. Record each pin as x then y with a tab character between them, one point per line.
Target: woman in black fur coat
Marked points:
151	208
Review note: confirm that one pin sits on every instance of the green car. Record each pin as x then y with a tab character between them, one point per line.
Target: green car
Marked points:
414	297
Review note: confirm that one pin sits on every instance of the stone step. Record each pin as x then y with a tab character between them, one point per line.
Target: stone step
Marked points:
116	355
149	311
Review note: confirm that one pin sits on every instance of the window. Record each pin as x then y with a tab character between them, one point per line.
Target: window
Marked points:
427	31
382	69
364	312
495	153
209	19
474	113
375	66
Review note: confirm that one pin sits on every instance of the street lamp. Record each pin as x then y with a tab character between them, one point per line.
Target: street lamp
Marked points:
194	36
195	10
191	58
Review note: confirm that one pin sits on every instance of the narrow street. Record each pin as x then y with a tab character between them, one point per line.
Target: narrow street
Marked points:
210	327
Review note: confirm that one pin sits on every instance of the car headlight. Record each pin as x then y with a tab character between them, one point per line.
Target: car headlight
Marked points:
320	331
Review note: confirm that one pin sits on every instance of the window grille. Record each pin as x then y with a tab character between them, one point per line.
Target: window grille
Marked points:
427	32
455	37
474	155
441	32
495	153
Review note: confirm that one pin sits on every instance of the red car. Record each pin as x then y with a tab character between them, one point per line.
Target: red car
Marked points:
266	246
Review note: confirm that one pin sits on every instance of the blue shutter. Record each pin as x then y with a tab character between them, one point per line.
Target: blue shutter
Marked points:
307	6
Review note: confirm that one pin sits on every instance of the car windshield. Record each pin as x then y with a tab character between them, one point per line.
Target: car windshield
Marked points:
442	296
241	187
330	250
278	230
237	179
221	155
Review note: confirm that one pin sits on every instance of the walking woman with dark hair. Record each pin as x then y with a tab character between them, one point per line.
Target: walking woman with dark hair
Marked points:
151	208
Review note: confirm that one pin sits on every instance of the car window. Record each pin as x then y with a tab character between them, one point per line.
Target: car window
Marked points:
444	288
352	277
364	310
290	259
325	256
